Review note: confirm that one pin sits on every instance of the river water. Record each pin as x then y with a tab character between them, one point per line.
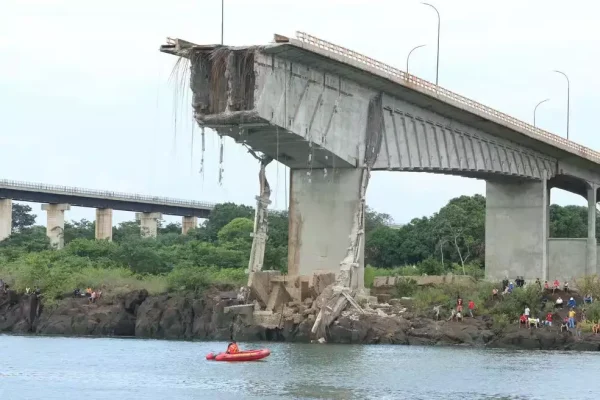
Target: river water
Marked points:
121	369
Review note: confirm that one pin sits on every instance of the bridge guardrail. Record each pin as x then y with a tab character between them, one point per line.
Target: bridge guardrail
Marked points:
68	190
402	77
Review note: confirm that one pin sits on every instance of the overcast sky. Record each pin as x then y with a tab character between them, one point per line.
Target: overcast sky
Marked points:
86	100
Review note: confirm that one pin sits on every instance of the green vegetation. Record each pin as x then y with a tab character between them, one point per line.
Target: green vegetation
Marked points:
451	240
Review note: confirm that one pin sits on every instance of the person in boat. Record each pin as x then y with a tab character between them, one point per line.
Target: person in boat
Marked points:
232	348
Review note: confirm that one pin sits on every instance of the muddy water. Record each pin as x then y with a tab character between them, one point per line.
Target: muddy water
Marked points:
65	368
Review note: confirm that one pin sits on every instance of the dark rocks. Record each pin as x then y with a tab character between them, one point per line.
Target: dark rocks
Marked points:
193	317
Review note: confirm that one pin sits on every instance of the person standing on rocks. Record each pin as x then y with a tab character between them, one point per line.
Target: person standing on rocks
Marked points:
459	304
471	308
527	311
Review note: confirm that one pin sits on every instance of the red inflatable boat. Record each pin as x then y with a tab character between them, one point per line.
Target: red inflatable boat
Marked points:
248	355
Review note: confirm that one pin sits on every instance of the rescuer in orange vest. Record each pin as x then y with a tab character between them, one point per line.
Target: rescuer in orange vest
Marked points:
232	348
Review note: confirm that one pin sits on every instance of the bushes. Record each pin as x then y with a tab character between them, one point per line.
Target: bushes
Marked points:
196	279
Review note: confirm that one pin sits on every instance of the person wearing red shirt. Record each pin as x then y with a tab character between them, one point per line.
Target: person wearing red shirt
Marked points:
549	319
459	304
522	320
471	307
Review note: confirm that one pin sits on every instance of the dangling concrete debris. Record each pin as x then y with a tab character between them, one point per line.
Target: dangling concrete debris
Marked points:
259	236
221	160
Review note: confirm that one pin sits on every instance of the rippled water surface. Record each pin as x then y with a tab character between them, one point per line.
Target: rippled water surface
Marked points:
120	369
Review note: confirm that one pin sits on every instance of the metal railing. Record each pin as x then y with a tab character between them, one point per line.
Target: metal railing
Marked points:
404	78
73	191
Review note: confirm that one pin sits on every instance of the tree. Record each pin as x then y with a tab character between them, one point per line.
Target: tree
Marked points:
22	217
374	220
83	229
237	234
222	214
126	230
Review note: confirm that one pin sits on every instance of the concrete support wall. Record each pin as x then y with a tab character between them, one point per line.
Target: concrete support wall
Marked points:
591	240
322	214
104	224
5	218
566	258
188	223
516	230
55	223
148	223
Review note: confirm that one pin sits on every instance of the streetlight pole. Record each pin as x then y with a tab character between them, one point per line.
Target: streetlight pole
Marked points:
437	67
535	109
409	53
568	98
222	18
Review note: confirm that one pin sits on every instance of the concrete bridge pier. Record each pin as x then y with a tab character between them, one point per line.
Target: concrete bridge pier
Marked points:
517	229
55	225
323	213
5	218
592	246
104	224
188	223
148	223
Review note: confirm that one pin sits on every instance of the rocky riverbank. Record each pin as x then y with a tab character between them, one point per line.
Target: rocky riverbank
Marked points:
187	317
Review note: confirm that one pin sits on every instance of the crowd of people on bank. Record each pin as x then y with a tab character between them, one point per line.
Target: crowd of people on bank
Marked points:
574	320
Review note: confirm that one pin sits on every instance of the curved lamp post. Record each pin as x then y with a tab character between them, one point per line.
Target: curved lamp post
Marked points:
437	66
410	52
535	109
568	98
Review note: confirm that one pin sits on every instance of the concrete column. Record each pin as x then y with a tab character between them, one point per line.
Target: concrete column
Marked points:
591	241
148	223
55	225
5	218
323	214
104	224
516	230
188	223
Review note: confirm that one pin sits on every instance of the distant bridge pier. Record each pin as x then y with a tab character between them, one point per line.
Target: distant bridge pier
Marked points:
55	225
188	223
148	223
104	217
5	218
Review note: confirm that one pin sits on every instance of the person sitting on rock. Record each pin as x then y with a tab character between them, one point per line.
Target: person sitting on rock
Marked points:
88	292
93	297
571	303
494	293
588	299
522	320
559	302
232	348
77	293
566	287
556	285
564	325
533	322
459	316
596	328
